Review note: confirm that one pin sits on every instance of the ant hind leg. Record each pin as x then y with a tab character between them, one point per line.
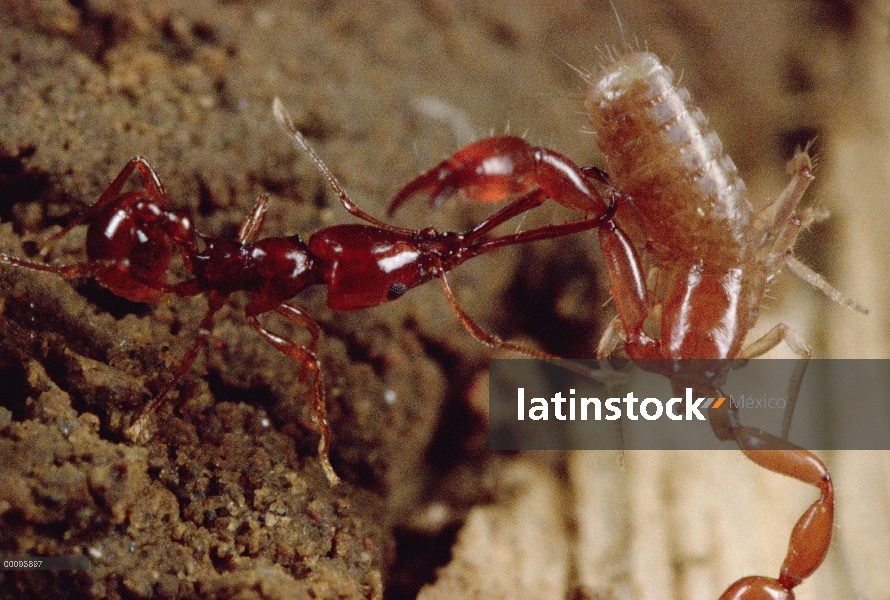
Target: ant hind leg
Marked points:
483	336
306	357
73	271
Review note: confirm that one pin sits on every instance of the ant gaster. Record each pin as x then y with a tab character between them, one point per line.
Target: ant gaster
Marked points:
132	236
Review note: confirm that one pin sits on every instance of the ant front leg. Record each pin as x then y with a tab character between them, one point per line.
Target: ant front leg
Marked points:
483	336
150	181
306	356
470	246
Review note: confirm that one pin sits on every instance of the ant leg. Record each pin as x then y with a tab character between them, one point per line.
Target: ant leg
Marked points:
297	315
73	271
287	124
153	187
468	249
215	301
622	263
252	225
483	336
307	358
91	269
150	179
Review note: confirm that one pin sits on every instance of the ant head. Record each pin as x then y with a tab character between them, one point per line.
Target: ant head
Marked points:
132	237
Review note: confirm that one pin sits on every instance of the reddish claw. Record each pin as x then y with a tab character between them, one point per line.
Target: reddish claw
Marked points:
500	168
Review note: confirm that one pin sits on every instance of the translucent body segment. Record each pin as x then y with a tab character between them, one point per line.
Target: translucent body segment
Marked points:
661	152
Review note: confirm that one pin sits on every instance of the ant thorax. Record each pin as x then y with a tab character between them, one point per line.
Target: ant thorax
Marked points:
280	267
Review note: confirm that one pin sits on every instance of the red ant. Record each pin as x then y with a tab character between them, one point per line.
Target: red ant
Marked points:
131	239
711	258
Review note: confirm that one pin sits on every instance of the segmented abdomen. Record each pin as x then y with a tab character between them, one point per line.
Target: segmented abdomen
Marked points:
660	151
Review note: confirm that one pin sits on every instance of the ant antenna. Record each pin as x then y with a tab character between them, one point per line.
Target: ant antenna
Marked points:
288	125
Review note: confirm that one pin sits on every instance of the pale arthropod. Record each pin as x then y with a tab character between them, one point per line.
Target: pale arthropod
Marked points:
715	254
712	258
709	256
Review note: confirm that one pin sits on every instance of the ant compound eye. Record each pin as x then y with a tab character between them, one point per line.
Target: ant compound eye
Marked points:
396	290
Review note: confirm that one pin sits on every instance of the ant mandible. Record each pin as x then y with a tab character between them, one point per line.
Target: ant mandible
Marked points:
132	236
711	259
